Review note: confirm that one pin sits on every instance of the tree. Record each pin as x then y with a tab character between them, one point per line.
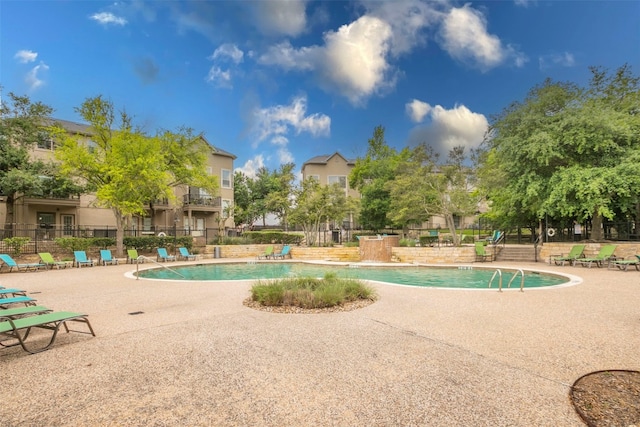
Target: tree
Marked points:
128	169
244	211
423	188
316	204
567	153
370	175
278	200
23	124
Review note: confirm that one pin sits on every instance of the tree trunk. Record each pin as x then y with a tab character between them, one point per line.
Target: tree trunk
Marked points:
597	232
9	218
120	220
451	225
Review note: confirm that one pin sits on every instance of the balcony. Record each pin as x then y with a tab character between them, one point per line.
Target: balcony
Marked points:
201	203
50	200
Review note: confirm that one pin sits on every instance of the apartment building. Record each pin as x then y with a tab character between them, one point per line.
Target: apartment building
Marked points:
195	212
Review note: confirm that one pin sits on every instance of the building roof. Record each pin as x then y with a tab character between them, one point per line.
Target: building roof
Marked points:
82	129
324	159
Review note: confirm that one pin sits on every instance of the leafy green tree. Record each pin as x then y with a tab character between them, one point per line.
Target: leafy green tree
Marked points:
128	169
244	212
370	176
316	204
23	124
567	153
423	188
278	201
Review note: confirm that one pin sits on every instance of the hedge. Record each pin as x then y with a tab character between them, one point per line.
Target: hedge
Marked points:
270	236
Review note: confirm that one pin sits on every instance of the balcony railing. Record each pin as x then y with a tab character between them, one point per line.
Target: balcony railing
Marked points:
204	201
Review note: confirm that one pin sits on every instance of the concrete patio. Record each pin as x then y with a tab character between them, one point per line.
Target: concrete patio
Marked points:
195	355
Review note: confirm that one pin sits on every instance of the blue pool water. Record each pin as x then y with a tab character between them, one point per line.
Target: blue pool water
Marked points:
441	277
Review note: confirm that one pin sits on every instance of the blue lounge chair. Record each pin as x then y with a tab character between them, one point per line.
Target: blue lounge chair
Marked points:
106	258
164	256
495	238
184	254
10	262
11	292
6	302
82	260
19	329
285	252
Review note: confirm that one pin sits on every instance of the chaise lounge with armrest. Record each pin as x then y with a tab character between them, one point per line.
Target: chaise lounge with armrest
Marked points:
285	252
133	257
606	252
107	258
6	302
575	253
20	328
623	264
164	256
268	253
183	253
82	260
49	262
11	263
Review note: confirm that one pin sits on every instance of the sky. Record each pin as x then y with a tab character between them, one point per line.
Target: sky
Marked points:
274	81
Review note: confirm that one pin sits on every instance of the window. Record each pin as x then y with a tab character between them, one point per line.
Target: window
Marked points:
316	177
341	180
226	178
44	141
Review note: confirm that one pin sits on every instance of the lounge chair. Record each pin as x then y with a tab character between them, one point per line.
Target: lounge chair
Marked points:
285	252
481	252
82	260
16	313
49	262
268	253
6	302
10	262
164	256
623	264
495	237
11	292
133	257
19	329
571	257
606	252
184	254
106	258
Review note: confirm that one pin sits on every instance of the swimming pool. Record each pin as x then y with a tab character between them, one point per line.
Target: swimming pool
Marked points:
467	277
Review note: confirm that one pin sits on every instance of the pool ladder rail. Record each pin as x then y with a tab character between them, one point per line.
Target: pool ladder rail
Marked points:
144	258
499	274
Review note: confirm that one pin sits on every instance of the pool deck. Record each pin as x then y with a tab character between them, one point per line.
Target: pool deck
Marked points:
417	357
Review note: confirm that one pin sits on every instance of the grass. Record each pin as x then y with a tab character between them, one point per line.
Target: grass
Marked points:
308	292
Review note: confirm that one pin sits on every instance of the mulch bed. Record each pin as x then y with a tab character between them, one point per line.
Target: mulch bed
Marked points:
608	398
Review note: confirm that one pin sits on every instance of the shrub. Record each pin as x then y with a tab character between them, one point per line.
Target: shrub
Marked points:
149	243
16	243
307	292
271	236
407	242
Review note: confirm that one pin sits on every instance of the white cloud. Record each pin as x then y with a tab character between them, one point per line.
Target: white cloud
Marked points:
565	59
417	110
25	56
33	78
219	77
275	123
352	61
447	129
285	156
251	166
228	51
106	18
524	3
464	36
277	17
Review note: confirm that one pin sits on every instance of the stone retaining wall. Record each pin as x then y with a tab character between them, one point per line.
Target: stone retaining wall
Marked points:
623	250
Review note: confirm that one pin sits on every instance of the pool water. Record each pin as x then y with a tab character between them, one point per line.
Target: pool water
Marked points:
441	277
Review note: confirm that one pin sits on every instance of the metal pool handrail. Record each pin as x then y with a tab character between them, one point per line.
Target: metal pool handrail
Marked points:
499	273
156	262
521	281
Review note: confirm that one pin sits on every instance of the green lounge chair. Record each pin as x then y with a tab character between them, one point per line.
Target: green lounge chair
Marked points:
10	262
49	262
183	253
164	256
82	260
268	253
481	252
19	329
133	257
106	258
285	252
606	252
16	313
6	302
623	264
571	257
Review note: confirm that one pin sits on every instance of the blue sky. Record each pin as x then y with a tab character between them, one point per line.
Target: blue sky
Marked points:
284	81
